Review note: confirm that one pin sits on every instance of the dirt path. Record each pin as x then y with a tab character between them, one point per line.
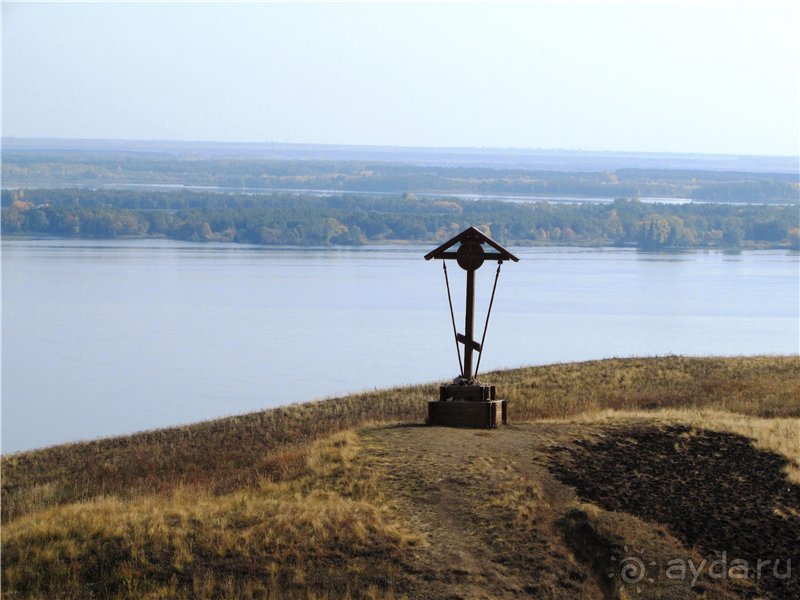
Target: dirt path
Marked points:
501	517
452	483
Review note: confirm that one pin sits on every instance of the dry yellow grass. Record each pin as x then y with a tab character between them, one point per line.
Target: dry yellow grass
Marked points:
325	530
763	386
219	456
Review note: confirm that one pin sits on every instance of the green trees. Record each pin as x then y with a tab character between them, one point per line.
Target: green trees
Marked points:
659	232
289	219
772	230
794	238
764	190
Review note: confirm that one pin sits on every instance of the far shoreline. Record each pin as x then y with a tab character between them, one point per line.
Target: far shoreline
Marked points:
745	247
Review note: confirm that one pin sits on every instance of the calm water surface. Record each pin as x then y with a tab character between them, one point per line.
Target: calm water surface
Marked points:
101	338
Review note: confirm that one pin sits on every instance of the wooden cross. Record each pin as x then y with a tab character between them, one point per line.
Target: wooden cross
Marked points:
470	255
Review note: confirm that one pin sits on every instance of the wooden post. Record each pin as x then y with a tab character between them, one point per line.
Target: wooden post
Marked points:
469	324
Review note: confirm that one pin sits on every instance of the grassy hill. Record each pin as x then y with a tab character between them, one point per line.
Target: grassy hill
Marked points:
665	461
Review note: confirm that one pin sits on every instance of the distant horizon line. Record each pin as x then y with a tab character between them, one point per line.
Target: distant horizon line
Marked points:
16	138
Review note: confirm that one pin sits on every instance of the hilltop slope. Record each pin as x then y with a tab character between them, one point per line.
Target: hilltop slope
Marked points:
295	503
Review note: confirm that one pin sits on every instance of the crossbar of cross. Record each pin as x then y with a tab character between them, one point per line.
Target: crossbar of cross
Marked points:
470	255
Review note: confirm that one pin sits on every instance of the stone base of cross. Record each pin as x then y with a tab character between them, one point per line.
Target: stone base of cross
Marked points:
468	414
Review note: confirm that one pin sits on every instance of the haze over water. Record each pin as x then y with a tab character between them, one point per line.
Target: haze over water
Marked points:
109	337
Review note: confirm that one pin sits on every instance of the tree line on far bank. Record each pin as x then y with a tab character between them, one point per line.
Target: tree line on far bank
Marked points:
75	168
289	219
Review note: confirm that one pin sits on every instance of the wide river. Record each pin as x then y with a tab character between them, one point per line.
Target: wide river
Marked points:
109	337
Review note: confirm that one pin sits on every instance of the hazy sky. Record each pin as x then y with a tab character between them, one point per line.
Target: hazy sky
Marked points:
676	76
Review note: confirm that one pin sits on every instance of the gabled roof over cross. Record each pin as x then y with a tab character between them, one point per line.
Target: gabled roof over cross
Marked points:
471	235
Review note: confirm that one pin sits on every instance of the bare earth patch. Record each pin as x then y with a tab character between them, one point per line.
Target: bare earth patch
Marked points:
560	510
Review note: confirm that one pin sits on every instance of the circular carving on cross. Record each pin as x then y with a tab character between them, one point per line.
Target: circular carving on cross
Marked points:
469	256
